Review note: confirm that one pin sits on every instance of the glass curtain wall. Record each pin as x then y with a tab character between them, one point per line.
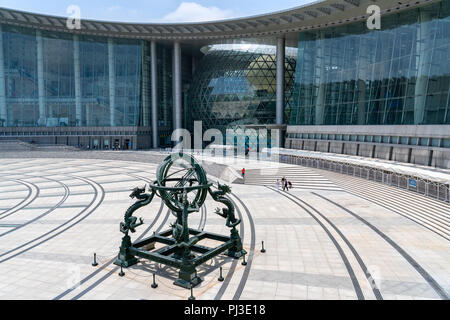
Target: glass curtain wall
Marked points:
165	84
20	72
94	79
400	74
59	82
65	80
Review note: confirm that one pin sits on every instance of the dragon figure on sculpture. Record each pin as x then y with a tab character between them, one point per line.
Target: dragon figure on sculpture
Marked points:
130	223
228	212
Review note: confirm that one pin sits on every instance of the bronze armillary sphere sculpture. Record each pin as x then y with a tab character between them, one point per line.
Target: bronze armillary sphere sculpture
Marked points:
183	187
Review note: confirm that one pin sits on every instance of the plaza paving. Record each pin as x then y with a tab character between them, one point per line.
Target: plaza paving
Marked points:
323	239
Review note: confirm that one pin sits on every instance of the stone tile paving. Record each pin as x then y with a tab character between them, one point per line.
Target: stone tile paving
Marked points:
315	249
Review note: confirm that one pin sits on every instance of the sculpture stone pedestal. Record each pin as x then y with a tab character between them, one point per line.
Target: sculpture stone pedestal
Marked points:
237	251
125	258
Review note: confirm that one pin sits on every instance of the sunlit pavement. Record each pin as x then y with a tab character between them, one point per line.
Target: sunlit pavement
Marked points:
323	240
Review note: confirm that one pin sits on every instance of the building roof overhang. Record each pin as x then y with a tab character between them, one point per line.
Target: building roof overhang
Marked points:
288	23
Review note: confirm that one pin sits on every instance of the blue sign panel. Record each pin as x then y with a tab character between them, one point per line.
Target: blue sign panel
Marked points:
413	183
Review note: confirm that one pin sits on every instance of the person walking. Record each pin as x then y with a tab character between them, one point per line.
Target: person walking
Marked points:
243	173
283	184
278	184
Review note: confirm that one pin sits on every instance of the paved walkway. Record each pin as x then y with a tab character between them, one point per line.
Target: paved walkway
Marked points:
322	243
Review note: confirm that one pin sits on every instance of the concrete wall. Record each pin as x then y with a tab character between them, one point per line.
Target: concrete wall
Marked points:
436	155
351	149
400	154
335	147
435	131
322	146
365	150
420	156
310	145
382	152
441	159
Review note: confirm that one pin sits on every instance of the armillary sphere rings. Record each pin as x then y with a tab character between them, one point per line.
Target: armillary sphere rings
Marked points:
181	177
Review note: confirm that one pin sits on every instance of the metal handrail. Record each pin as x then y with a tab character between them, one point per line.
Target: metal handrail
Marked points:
425	187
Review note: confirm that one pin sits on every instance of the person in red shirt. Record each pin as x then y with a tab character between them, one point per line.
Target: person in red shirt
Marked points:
243	172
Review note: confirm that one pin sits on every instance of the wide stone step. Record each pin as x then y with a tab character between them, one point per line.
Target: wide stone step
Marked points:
408	208
391	192
429	213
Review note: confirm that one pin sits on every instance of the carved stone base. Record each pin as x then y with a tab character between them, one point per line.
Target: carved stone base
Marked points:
237	251
126	263
187	284
187	278
125	259
236	254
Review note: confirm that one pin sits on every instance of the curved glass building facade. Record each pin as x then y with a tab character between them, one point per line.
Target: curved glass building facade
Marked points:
399	75
236	85
318	73
57	80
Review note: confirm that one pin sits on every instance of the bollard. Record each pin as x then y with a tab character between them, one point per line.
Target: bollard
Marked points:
220	277
244	263
263	250
121	273
154	284
192	293
94	264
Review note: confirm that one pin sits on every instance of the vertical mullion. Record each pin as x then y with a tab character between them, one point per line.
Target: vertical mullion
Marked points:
389	78
408	79
372	81
429	69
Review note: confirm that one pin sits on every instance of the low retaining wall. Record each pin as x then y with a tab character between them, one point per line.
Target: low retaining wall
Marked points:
435	188
426	156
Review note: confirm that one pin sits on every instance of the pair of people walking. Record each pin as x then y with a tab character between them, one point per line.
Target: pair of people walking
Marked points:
285	184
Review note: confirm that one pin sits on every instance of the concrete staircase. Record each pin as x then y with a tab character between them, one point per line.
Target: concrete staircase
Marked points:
301	178
16	145
13	145
430	213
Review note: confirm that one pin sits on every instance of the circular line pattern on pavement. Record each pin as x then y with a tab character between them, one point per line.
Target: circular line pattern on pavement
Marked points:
103	174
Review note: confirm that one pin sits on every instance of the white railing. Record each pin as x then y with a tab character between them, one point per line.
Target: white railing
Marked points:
428	188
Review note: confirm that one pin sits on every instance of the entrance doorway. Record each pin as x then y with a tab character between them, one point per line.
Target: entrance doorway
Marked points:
127	145
116	145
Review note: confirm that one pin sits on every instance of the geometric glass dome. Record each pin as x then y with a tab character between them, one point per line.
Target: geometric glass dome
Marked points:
236	85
